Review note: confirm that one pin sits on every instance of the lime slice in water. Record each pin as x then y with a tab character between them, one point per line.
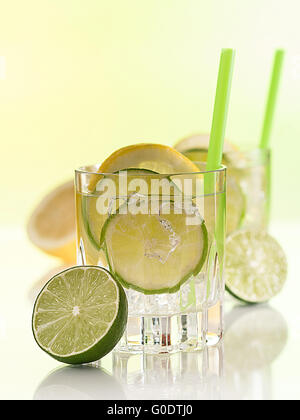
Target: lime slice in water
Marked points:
256	266
80	315
139	158
155	251
91	213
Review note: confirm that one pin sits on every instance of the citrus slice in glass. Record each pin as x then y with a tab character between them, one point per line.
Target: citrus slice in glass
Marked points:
256	266
94	214
155	157
152	249
80	315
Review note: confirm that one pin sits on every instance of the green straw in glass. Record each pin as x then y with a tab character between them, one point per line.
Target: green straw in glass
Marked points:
216	141
215	148
271	99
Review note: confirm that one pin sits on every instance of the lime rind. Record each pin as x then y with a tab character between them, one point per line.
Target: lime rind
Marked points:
58	299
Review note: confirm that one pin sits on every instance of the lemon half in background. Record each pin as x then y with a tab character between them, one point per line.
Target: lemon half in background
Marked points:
51	226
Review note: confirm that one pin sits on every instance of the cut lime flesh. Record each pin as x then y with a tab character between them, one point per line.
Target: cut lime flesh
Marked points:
93	219
256	266
155	253
80	315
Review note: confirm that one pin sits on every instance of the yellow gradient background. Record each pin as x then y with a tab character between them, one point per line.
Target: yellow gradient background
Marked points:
79	79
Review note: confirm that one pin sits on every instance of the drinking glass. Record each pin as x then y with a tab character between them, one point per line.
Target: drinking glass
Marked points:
248	204
251	172
162	237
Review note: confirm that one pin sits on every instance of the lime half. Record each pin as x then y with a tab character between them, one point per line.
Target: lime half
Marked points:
80	315
155	250
256	266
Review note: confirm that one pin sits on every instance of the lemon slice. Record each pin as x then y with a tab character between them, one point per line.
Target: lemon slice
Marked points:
80	315
256	266
155	253
51	227
154	157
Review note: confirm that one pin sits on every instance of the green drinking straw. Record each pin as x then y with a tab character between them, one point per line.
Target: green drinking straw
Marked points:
215	148
271	99
216	141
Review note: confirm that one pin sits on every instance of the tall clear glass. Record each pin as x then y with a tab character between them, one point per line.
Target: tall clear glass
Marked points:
162	237
248	203
250	171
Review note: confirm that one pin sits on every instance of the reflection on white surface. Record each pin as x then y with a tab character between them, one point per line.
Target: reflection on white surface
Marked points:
240	367
255	337
179	376
79	383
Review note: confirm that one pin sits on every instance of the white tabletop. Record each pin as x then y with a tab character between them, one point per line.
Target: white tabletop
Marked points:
258	358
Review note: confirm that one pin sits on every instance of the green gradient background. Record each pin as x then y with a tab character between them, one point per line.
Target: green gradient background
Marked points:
86	77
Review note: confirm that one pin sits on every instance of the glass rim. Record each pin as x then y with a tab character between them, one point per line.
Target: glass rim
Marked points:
249	157
248	151
83	170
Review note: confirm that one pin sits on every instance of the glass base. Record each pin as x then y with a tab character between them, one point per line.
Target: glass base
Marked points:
170	334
